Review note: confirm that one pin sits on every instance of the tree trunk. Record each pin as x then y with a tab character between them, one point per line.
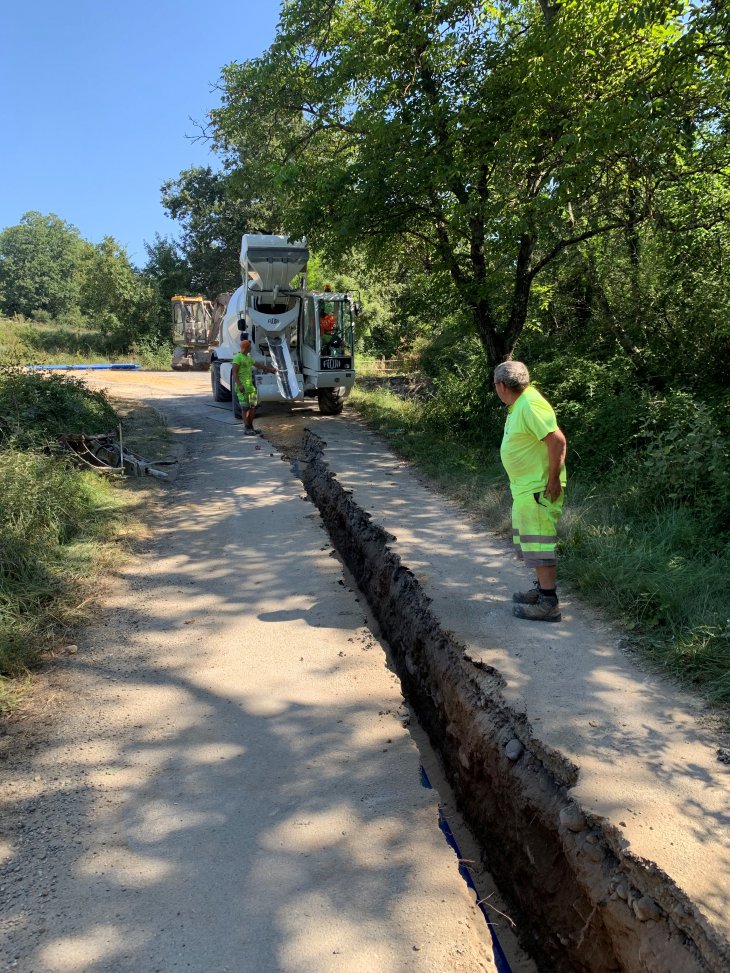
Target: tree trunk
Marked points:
499	343
496	347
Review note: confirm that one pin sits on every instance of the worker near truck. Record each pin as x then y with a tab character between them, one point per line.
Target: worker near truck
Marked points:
243	384
533	454
326	325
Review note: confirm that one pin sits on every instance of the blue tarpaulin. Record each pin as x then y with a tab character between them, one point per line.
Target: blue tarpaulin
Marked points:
67	368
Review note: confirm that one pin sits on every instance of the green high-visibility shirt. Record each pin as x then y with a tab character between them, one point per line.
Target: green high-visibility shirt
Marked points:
245	370
524	454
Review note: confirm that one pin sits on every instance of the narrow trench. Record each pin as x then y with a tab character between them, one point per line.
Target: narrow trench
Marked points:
580	900
508	954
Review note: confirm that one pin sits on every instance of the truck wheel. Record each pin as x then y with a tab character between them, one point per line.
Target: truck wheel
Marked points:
330	403
220	392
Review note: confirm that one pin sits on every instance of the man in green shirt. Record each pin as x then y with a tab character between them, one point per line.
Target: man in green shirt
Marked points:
533	454
243	384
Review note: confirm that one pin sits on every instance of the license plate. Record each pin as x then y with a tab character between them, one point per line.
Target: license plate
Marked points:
335	364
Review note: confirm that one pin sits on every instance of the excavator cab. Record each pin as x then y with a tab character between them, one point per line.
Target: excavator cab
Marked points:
191	320
328	347
192	325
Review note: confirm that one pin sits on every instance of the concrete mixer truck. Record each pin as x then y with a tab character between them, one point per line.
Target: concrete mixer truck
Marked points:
307	335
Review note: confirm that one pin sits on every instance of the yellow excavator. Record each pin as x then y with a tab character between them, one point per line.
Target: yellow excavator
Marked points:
196	326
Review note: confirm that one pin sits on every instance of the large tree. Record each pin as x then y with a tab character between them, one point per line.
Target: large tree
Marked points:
118	299
110	286
40	260
492	138
167	268
214	209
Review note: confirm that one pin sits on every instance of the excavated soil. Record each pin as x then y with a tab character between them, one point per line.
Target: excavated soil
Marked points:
584	901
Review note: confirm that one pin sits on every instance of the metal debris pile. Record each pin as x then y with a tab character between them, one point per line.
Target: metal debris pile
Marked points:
105	453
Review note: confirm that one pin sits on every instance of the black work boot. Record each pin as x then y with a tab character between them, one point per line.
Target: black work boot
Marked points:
527	597
545	609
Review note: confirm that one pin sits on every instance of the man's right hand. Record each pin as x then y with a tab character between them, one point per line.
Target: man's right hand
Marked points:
553	489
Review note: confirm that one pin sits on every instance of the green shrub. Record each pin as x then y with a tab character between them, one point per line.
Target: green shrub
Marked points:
463	402
37	407
74	320
598	407
151	355
12	347
683	457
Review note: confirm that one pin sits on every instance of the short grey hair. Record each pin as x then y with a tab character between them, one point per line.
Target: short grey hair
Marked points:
513	374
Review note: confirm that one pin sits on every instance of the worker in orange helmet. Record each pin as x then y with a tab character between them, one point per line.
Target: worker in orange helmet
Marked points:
326	326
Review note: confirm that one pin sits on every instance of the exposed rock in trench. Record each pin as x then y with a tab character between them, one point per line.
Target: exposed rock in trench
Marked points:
584	902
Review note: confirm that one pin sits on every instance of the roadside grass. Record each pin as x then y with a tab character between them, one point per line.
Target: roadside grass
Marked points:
47	343
56	525
60	527
660	576
654	568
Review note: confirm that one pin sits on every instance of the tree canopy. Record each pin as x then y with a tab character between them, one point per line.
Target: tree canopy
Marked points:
213	210
48	271
492	141
39	258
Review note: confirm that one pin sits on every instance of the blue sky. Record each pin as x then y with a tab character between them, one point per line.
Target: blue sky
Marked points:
96	101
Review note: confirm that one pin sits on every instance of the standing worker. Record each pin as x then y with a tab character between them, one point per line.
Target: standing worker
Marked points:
243	384
533	454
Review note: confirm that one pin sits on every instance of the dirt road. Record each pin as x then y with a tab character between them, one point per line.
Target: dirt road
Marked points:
222	778
239	778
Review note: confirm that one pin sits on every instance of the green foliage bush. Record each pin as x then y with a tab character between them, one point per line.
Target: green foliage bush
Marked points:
683	457
463	402
151	355
74	320
48	506
461	406
37	407
598	408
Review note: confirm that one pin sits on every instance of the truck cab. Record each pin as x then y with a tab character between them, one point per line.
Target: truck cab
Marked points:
307	335
328	347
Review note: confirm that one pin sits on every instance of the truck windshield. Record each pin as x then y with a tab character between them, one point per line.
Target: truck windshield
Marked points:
335	328
191	320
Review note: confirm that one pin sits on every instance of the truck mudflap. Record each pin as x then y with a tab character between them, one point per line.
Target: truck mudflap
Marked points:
286	375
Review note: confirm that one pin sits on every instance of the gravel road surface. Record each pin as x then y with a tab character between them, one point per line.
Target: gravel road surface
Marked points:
222	777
